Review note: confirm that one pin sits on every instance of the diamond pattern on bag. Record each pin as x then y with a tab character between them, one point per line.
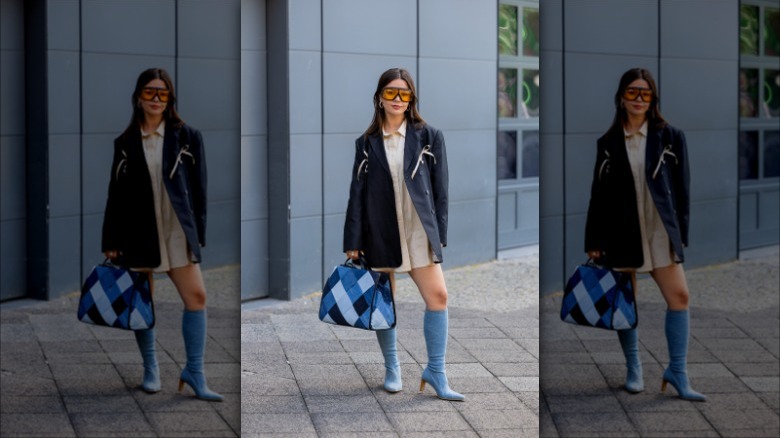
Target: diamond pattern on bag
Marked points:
116	297
357	298
598	297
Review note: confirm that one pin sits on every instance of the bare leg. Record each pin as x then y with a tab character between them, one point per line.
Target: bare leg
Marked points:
430	282
189	283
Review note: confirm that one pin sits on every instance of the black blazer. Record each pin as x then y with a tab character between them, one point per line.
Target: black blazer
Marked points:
129	223
613	220
371	224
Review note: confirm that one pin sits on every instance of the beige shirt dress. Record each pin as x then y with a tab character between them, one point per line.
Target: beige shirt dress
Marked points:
174	252
415	248
656	248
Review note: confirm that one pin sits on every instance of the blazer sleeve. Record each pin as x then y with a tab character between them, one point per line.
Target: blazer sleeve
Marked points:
681	182
594	227
198	184
353	224
112	216
440	184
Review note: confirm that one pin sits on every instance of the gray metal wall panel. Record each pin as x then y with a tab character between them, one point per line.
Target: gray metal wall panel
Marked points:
574	247
609	26
462	29
471	238
715	38
254	257
223	233
711	156
551	72
91	241
209	92
13	255
713	233
590	84
97	154
550	26
12	86
305	175
551	175
472	107
106	108
254	93
223	157
12	29
350	81
332	242
306	27
64	175
60	30
306	256
370	26
64	88
209	29
64	256
129	26
551	239
253	25
12	178
580	157
254	184
682	83
306	94
471	157
337	161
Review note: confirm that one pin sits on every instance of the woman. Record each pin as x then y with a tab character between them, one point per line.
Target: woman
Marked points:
638	216
397	216
155	219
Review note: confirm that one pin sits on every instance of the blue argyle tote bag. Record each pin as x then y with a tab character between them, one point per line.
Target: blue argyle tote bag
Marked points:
355	296
116	297
596	296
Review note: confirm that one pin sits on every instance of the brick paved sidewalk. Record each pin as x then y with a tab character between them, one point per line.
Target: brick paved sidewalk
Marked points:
60	377
304	378
733	359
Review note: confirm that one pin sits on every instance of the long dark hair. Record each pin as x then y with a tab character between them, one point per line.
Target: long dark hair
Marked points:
412	116
170	115
654	117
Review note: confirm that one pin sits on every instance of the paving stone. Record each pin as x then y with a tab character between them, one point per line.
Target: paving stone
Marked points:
278	423
593	424
21	404
583	404
272	404
521	383
425	422
492	401
342	404
466	385
28	386
171	422
102	404
257	384
688	421
651	401
503	369
36	425
747	369
762	384
772	399
342	422
412	401
482	420
735	418
104	424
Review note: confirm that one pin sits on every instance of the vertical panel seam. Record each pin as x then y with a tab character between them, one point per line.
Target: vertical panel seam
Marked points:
81	147
563	140
322	141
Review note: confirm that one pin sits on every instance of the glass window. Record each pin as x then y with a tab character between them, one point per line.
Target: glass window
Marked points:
530	32
772	93
507	30
530	154
530	93
772	32
748	30
748	155
507	155
748	92
771	154
507	92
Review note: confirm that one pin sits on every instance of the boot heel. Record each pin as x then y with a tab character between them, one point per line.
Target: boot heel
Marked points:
422	385
663	385
181	385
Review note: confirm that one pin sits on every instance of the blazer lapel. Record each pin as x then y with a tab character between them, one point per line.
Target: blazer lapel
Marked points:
652	151
412	148
377	145
170	149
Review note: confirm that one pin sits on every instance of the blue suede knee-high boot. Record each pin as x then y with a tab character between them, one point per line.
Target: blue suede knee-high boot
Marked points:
677	341
387	342
629	341
435	330
145	340
193	329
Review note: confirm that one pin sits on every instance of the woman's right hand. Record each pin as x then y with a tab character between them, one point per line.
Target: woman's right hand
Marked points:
594	254
111	254
353	254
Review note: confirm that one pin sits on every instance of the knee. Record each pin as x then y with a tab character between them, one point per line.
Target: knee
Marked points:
438	299
196	300
679	299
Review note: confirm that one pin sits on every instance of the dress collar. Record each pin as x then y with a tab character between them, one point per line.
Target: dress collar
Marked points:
401	131
642	130
160	131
